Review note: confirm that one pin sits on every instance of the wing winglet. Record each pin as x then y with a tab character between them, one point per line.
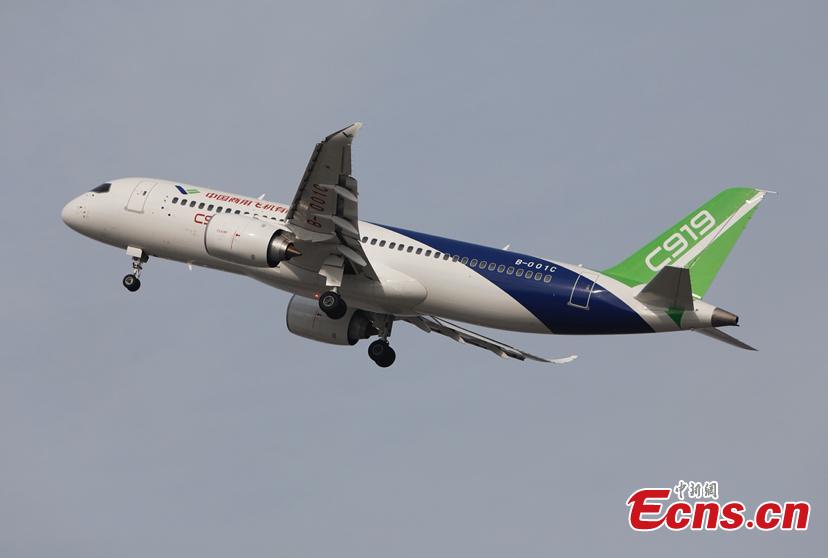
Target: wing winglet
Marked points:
347	131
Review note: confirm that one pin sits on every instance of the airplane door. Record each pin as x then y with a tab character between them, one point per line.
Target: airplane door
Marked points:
139	196
582	290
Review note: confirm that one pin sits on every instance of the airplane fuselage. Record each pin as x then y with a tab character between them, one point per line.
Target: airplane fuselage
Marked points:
418	274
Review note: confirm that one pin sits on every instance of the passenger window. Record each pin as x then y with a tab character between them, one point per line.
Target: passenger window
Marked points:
482	264
538	276
473	263
218	209
547	278
519	272
210	207
428	253
238	211
184	202
437	255
175	199
391	246
247	213
446	257
455	258
501	268
364	239
373	241
228	210
510	270
400	247
382	243
201	205
492	266
465	260
419	251
192	203
410	249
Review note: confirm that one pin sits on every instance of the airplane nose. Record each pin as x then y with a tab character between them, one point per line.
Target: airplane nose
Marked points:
72	214
68	213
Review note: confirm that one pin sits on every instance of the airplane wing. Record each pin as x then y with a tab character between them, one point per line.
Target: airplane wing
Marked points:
323	215
437	325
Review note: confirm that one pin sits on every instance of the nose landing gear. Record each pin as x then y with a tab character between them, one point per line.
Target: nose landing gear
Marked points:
131	282
139	258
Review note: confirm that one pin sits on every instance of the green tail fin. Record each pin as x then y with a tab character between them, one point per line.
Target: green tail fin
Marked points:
700	242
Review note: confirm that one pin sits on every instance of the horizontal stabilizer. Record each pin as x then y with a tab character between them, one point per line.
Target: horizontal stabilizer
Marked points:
670	288
720	335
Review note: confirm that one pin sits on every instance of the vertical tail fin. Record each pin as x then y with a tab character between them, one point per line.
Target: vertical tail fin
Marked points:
700	242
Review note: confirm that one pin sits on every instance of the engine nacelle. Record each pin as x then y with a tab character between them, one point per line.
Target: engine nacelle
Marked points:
249	241
305	319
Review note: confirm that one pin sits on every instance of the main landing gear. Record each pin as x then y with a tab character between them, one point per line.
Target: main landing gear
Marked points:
331	303
139	258
381	353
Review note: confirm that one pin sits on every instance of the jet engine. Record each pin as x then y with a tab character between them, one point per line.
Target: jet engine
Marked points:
249	241
305	319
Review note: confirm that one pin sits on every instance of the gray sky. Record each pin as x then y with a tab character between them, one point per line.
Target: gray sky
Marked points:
186	421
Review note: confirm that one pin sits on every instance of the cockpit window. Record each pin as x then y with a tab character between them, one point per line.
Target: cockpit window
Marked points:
102	189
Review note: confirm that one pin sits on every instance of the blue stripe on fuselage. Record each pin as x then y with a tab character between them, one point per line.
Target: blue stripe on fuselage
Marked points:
549	302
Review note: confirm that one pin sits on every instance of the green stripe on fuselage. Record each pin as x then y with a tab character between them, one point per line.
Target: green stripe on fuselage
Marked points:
675	315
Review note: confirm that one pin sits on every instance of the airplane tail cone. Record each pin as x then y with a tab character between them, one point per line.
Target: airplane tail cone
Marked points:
722	317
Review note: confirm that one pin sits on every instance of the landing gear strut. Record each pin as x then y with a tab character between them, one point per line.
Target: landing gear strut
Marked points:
139	258
331	303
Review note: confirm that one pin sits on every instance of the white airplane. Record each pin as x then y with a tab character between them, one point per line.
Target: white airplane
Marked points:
353	279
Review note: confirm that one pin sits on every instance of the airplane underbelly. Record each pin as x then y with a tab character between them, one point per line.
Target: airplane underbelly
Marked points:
472	299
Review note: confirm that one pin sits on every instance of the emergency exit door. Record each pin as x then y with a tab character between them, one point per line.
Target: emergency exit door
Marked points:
139	196
582	290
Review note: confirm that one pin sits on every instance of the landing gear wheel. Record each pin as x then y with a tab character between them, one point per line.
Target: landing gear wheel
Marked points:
332	305
132	283
139	258
382	353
